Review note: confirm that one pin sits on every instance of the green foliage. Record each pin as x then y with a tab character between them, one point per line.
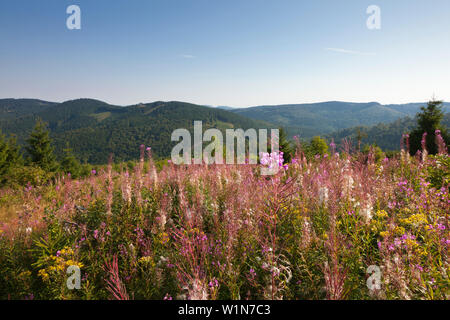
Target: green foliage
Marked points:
360	135
40	148
285	146
317	146
429	120
10	157
309	120
386	135
70	164
280	233
4	151
375	150
95	129
439	171
20	176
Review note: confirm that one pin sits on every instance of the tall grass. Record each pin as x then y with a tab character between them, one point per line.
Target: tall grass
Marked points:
226	232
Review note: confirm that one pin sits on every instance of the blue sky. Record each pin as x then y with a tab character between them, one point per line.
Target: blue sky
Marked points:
225	52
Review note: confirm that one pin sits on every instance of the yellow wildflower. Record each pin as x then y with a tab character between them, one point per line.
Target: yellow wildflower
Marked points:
381	213
43	274
147	260
399	230
25	274
416	219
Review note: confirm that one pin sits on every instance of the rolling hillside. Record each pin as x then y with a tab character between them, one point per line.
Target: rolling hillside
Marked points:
386	135
307	120
94	129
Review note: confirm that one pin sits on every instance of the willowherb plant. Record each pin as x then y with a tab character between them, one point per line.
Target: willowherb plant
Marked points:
440	142
228	232
114	283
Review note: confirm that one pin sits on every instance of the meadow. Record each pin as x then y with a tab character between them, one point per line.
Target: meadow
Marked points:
316	230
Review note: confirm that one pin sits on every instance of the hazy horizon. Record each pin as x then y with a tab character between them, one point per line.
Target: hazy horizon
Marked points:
230	53
219	105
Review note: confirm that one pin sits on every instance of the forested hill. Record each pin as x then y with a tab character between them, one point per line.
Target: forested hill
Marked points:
13	108
308	120
94	129
386	135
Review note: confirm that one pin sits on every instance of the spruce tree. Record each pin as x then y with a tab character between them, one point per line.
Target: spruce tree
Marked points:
4	152
70	164
429	120
360	135
10	156
285	146
14	155
40	147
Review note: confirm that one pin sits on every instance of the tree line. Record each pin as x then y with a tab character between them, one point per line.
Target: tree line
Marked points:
39	163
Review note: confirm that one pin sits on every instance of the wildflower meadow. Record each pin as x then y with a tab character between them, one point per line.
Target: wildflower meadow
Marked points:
343	225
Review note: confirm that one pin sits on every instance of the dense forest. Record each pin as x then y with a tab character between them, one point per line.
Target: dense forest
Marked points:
387	136
227	232
94	129
308	120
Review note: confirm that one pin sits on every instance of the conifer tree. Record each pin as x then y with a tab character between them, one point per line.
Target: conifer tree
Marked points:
10	156
4	151
14	155
70	164
429	120
40	147
285	146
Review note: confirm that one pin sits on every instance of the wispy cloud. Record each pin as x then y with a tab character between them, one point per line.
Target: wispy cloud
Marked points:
187	56
351	52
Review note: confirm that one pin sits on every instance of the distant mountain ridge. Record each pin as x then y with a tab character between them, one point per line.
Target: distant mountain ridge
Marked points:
385	135
13	108
308	120
94	129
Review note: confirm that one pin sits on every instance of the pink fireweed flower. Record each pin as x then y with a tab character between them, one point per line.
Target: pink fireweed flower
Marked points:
167	297
213	283
440	142
271	160
424	142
